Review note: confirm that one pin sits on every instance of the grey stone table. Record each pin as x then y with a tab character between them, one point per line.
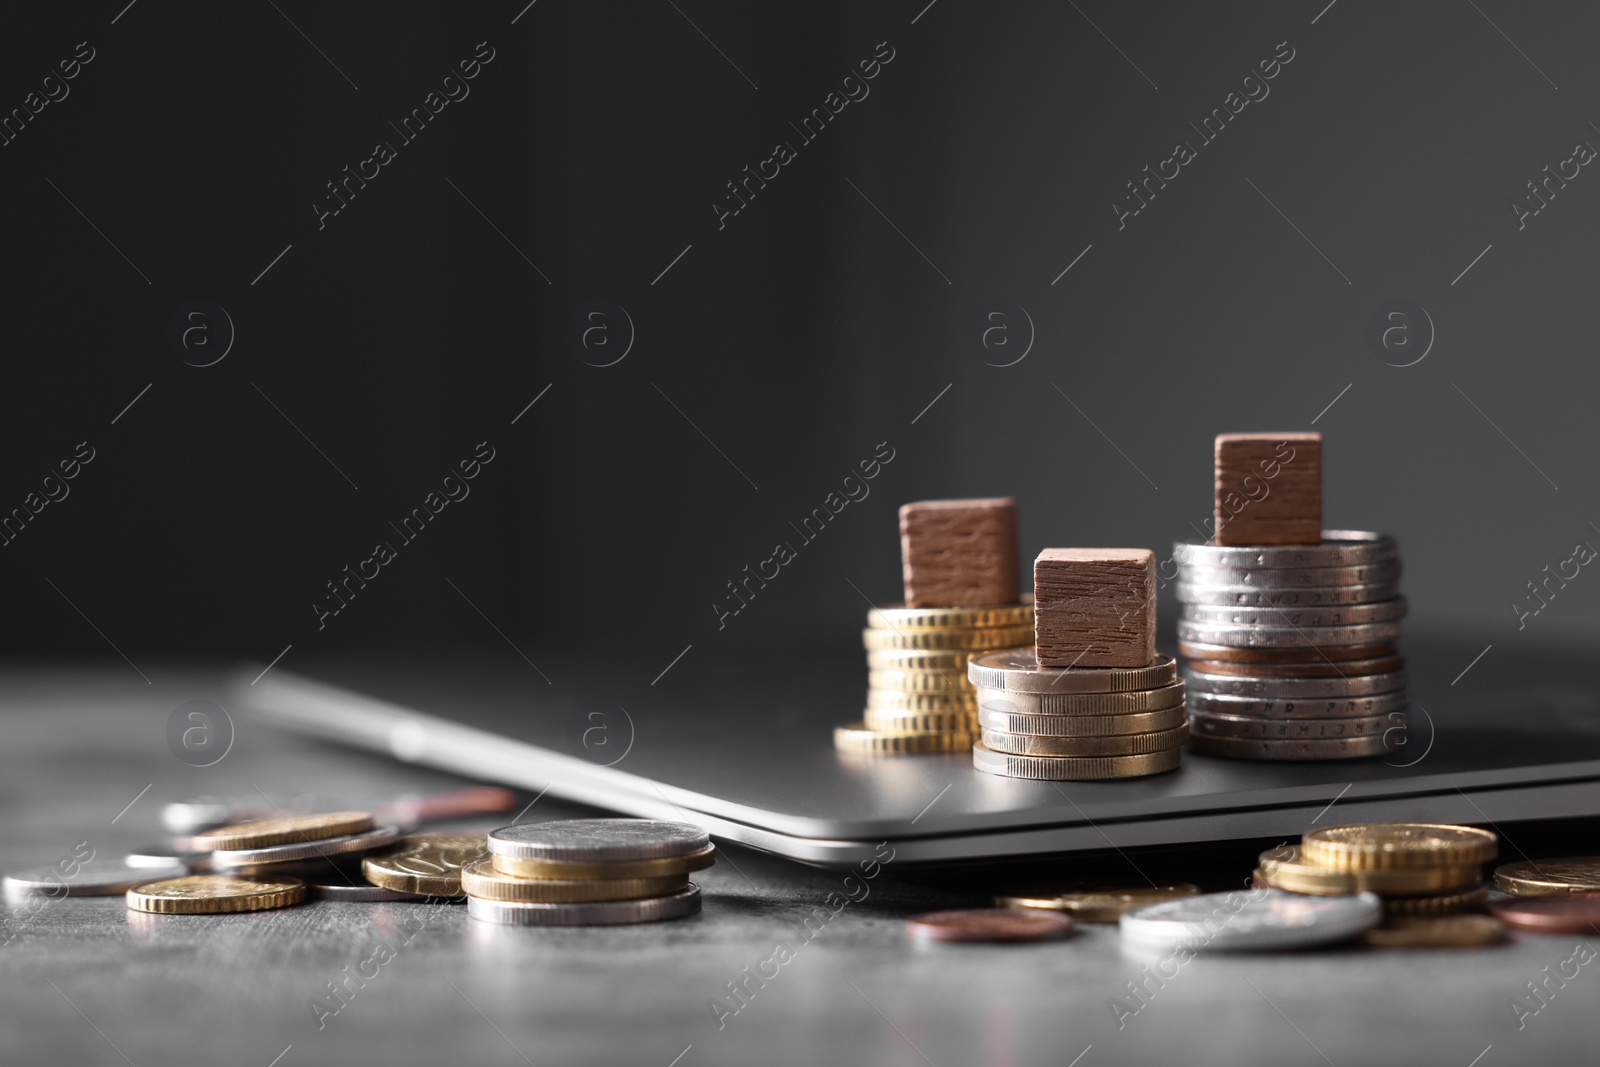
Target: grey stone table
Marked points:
84	758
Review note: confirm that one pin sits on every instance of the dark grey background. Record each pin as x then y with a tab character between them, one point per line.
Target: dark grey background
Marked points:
819	322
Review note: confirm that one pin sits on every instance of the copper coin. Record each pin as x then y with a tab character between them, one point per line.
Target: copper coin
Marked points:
1571	913
1321	669
989	924
1271	727
1334	654
1250	748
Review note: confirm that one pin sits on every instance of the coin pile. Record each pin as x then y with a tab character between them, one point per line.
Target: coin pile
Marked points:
1292	649
918	695
588	872
1418	869
1075	723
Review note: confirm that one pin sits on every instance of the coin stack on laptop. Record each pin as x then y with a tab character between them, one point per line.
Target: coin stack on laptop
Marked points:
1419	869
961	599
588	872
1291	632
1091	699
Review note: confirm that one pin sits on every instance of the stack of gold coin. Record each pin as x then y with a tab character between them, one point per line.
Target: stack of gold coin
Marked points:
1075	723
588	872
1419	869
1293	650
918	695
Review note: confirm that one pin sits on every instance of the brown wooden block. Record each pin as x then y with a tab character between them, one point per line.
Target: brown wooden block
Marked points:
1094	607
959	553
1269	489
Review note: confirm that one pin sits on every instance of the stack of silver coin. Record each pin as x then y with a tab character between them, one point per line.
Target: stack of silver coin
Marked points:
588	872
1293	650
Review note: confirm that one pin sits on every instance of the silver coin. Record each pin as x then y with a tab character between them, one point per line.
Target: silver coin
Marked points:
598	913
159	856
232	859
1288	636
1332	615
1233	685
1250	920
1248	596
1118	725
1007	702
1300	707
366	894
93	879
1291	577
1291	750
1269	729
1339	548
597	840
1017	670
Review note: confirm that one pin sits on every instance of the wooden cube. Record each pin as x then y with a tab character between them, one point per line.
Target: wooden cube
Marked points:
959	553
1269	489
1094	607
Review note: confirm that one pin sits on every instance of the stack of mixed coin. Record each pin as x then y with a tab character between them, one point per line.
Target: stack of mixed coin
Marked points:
954	553
1292	649
1418	869
1075	723
588	872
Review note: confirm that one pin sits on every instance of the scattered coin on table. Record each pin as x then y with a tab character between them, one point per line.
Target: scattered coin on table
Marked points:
209	894
989	924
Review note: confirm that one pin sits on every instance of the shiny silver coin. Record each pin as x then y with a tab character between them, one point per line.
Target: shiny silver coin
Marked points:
1297	751
160	856
1287	636
1017	670
92	879
1251	596
1234	685
1335	615
1291	577
1339	548
597	840
233	859
1250	920
1007	702
1250	726
365	894
1300	707
600	913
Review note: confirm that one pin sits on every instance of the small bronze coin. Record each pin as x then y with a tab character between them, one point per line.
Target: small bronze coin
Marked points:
1537	878
1571	913
1320	669
425	864
1332	654
989	924
1097	903
1444	931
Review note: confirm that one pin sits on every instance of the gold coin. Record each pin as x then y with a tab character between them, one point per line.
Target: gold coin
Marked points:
895	719
428	864
907	700
289	830
934	681
1443	904
856	738
1158	699
1112	745
985	618
973	640
1444	931
1099	904
209	894
1074	769
1398	844
1542	878
1286	868
919	659
572	870
479	878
